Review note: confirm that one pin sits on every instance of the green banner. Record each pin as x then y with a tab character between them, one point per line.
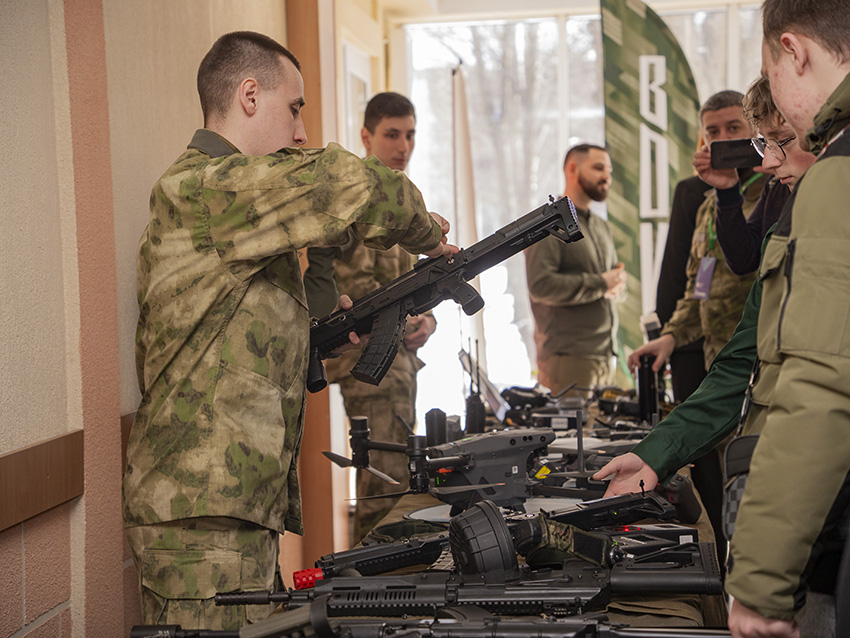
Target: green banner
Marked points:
651	129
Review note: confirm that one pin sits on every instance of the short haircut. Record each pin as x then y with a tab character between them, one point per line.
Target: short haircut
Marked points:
581	149
234	57
827	22
759	107
387	104
721	100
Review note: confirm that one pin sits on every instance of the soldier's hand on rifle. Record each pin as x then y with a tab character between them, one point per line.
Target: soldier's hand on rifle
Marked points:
662	348
443	248
354	340
628	470
419	329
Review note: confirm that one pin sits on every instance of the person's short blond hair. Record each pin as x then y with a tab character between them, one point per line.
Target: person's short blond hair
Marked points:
759	107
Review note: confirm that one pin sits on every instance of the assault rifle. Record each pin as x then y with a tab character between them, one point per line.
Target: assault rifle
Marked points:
382	313
451	622
573	589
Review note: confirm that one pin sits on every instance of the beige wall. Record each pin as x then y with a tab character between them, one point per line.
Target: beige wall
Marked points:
153	49
98	99
38	354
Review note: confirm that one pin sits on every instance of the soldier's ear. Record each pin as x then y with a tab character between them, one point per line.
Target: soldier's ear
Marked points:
366	138
248	94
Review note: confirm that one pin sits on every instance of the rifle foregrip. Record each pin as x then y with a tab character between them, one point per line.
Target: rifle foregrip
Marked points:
380	351
317	380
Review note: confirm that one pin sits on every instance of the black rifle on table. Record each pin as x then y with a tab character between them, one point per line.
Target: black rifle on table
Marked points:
575	588
380	558
451	622
383	312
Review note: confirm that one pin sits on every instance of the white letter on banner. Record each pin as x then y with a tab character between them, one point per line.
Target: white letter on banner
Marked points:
654	175
650	263
656	67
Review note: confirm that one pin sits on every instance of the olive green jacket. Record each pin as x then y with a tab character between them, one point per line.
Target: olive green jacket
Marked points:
221	343
803	454
796	321
567	290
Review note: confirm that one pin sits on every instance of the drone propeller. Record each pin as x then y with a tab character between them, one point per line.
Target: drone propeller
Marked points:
344	462
436	491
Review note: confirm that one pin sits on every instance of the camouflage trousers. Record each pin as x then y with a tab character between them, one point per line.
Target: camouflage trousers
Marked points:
382	413
182	565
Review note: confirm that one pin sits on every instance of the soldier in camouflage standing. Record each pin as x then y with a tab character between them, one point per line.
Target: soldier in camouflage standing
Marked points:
389	129
221	344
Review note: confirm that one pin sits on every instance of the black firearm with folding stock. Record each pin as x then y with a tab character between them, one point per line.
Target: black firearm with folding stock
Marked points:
383	312
336	607
451	622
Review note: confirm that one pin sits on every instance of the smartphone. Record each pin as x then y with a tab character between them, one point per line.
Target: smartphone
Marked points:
734	154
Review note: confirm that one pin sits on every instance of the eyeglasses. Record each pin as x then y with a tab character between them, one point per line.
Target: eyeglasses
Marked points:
774	146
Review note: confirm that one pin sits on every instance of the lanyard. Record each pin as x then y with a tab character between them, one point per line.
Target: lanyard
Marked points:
712	235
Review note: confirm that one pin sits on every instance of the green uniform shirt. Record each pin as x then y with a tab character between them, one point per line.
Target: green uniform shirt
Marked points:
567	290
803	454
221	343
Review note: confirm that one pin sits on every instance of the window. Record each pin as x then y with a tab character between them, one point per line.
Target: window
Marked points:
534	88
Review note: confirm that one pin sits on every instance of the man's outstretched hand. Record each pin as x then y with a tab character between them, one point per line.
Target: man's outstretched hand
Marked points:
627	471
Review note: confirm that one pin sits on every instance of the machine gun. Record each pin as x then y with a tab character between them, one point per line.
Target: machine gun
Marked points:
450	622
382	313
379	558
574	588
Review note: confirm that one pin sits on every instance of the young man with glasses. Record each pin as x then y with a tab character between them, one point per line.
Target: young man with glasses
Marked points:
740	237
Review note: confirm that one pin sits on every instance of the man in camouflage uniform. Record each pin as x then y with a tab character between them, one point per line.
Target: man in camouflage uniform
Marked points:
389	129
222	337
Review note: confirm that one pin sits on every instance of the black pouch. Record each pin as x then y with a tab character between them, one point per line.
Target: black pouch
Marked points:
736	468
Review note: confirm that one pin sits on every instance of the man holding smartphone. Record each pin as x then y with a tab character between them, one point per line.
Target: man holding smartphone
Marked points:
714	294
740	237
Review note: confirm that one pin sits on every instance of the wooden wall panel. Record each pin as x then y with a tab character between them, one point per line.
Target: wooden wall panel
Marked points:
39	477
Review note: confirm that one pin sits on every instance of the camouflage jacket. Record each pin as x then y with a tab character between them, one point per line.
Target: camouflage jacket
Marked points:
715	317
221	343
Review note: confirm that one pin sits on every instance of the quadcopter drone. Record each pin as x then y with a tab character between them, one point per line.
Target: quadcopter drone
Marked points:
501	466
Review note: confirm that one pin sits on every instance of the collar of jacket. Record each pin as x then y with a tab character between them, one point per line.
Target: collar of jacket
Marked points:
211	143
833	116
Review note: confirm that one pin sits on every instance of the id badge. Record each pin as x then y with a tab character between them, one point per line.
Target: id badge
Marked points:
704	275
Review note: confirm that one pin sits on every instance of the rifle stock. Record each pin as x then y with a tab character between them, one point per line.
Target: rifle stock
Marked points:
382	313
455	622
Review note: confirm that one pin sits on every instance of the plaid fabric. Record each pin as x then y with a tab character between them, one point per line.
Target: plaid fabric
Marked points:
733	492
